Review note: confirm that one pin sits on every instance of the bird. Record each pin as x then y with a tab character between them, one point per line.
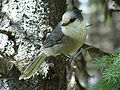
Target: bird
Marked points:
67	37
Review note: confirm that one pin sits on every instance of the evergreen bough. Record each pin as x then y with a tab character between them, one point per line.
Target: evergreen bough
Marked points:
109	67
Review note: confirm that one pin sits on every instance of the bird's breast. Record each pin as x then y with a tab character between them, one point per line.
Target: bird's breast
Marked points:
75	38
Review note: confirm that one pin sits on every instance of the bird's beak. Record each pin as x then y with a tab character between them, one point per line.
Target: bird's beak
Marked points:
64	24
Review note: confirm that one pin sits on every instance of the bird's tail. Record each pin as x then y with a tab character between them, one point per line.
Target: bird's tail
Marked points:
33	66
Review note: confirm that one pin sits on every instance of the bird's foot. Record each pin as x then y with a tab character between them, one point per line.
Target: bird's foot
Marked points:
66	56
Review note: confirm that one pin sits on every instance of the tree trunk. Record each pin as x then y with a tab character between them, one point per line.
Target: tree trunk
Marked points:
25	26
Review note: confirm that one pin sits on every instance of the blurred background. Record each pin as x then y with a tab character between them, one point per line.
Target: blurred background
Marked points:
22	24
103	16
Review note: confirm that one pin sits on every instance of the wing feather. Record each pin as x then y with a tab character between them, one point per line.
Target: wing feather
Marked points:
54	38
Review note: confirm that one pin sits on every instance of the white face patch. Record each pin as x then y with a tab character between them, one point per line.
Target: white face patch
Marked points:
76	28
66	17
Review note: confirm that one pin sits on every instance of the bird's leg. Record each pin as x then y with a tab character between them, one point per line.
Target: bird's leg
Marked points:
80	51
66	56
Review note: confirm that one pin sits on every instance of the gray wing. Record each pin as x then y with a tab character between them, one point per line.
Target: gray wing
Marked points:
54	38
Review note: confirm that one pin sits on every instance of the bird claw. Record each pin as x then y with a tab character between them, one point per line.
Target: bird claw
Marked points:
66	56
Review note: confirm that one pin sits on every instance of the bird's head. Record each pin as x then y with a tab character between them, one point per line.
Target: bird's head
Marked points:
70	17
73	23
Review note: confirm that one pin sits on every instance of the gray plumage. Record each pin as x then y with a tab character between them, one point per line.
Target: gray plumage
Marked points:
51	40
67	37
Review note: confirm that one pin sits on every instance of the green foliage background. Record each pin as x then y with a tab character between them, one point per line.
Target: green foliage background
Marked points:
109	66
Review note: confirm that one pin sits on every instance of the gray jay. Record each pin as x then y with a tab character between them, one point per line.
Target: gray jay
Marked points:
67	37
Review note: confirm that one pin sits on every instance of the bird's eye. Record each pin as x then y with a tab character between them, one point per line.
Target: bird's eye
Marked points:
72	20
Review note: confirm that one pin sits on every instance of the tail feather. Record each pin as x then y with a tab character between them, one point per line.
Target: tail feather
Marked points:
33	66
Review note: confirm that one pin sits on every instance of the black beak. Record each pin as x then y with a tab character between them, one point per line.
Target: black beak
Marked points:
71	21
65	24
